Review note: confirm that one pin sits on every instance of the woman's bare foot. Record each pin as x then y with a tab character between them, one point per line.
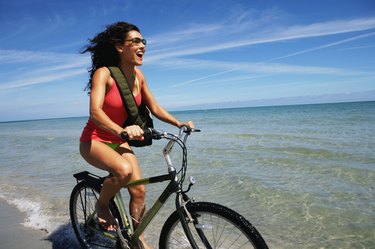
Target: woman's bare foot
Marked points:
145	245
105	219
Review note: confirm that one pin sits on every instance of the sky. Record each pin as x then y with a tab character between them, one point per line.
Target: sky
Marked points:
201	54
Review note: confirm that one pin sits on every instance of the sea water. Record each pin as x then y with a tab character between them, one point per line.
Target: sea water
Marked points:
303	175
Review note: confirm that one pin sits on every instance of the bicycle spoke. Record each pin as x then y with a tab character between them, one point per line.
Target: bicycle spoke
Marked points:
83	203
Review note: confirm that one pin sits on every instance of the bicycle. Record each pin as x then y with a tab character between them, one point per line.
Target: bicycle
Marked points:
192	225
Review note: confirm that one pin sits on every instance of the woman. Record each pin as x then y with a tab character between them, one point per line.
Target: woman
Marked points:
122	45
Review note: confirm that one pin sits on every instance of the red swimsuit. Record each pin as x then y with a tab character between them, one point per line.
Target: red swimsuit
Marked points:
115	110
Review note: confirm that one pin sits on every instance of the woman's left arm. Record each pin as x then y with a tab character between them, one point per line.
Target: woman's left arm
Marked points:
157	110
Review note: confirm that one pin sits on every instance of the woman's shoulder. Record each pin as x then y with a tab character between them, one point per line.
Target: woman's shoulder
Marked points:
103	75
103	71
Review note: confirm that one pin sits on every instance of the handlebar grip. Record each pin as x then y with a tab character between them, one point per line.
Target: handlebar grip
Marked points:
146	133
188	129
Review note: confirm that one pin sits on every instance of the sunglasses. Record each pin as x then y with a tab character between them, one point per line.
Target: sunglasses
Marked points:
137	41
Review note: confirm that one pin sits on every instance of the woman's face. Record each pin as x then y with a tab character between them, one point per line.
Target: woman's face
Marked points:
133	49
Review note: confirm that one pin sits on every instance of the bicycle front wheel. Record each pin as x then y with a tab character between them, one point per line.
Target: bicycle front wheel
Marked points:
83	217
214	226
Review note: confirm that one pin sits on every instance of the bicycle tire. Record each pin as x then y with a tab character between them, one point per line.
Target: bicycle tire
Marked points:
220	226
82	214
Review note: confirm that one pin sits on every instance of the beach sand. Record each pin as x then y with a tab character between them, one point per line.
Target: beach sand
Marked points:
13	235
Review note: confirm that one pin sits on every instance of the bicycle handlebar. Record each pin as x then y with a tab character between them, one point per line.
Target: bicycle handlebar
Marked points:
158	134
180	139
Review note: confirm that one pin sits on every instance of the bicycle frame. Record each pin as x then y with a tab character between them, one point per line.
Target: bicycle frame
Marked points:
151	213
172	187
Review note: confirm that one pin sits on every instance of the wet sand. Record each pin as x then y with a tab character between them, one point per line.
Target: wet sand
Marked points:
13	235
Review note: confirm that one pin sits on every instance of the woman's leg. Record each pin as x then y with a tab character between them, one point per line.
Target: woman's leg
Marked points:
137	203
103	157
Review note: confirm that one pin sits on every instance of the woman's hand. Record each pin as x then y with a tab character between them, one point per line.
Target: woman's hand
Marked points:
189	124
134	132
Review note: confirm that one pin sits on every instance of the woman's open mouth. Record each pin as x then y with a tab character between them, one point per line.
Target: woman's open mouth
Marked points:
140	54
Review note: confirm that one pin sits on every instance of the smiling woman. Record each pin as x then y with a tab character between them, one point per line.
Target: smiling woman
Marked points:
102	145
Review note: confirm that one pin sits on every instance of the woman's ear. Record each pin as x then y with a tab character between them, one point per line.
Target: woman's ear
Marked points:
119	47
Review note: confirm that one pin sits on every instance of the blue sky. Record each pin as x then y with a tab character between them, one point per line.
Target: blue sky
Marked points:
200	54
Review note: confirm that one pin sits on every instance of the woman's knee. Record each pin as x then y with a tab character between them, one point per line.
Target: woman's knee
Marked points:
123	173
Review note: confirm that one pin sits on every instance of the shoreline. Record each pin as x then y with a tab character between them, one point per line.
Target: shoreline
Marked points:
13	235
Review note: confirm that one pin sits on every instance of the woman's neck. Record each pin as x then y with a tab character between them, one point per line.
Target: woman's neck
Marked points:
128	70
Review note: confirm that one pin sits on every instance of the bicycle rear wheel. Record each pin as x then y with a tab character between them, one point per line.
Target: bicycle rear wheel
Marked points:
214	226
83	217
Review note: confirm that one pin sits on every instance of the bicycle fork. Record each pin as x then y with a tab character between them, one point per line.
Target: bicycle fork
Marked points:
186	217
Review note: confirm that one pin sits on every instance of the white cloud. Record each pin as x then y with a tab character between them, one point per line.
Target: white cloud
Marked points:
25	82
175	55
22	56
42	67
251	67
325	46
328	28
276	34
186	34
63	65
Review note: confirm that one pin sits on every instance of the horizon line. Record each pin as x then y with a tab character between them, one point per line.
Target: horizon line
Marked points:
207	109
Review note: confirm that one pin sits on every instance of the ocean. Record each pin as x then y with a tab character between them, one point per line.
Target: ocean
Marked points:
303	175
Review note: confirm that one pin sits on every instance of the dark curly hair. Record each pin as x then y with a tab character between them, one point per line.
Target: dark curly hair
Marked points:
102	47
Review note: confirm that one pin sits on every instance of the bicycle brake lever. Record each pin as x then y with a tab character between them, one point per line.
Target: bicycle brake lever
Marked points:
156	134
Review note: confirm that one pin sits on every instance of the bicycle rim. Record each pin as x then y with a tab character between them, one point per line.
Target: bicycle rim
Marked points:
215	226
83	218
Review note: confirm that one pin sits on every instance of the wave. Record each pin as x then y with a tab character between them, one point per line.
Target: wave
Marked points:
35	218
36	211
38	217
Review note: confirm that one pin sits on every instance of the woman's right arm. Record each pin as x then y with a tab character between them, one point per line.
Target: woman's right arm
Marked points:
100	82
